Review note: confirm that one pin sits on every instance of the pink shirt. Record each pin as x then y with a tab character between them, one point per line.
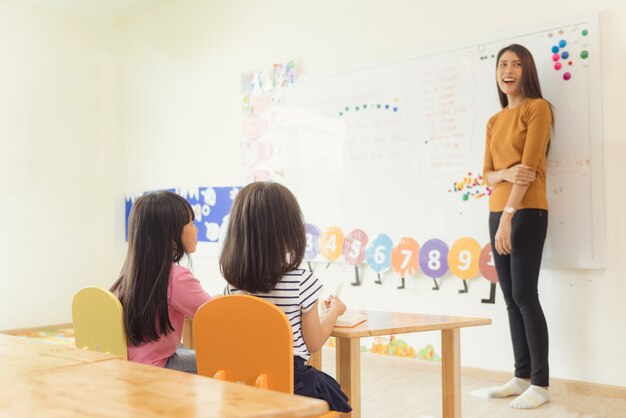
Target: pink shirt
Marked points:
185	295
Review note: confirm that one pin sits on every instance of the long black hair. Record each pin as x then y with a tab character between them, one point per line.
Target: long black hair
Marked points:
265	238
154	243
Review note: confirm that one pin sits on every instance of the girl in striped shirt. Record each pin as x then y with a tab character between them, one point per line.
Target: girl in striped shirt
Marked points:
262	253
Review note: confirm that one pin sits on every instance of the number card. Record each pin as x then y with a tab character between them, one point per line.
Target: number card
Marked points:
463	258
331	243
354	247
312	242
378	253
434	258
405	257
486	264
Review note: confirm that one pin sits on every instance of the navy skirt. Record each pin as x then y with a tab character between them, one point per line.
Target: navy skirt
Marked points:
308	381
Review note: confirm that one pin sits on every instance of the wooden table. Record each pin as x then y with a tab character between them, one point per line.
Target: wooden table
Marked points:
20	355
348	351
47	380
119	388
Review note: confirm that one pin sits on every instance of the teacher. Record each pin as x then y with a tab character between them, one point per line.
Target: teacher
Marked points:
518	138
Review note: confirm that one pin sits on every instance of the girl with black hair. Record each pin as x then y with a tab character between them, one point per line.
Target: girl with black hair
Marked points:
156	293
262	253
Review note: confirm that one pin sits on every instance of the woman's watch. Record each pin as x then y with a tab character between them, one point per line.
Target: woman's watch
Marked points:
509	209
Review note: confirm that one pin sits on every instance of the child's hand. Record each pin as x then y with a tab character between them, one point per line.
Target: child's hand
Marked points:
335	304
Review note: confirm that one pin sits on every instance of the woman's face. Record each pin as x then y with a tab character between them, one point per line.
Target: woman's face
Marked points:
189	237
509	74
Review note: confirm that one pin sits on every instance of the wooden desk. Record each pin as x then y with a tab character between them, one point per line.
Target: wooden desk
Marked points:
21	355
348	351
119	388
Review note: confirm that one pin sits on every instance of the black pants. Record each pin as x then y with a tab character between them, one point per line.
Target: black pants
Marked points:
518	274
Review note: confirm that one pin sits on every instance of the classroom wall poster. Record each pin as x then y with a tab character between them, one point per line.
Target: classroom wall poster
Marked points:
211	206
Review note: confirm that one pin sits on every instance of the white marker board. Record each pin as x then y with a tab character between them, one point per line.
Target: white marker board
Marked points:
379	147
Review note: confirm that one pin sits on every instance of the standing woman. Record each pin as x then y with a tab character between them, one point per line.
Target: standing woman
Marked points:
515	166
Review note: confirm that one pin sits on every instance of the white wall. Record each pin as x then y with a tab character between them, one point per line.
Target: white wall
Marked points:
60	164
179	67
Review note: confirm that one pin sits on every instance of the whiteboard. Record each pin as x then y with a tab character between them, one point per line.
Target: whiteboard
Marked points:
380	147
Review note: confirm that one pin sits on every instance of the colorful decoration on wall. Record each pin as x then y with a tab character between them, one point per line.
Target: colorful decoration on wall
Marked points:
486	264
354	247
331	243
312	241
284	74
378	254
434	259
354	251
472	186
262	93
391	346
570	49
487	268
465	258
404	258
428	354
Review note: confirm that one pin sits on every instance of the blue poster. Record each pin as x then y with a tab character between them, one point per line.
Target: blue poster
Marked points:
211	206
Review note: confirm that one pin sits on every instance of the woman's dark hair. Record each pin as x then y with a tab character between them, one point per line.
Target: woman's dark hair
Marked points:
154	243
530	79
265	237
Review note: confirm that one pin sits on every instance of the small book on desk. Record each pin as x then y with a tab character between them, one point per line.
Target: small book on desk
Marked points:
350	319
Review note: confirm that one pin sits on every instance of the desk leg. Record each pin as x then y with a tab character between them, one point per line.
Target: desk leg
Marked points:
188	333
316	360
451	372
348	355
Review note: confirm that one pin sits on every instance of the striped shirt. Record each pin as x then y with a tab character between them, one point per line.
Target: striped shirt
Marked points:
294	294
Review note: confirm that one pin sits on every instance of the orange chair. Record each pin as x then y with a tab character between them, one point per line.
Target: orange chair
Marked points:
245	339
98	319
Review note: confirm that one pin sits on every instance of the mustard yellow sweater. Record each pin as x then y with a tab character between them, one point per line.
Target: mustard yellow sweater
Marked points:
519	135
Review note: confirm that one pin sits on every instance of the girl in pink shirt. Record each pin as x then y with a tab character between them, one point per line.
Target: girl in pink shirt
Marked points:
154	290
